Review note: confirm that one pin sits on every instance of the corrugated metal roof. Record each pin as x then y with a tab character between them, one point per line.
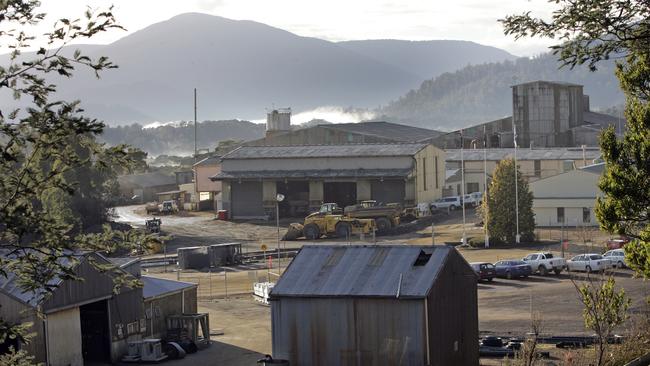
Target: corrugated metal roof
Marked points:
323	151
361	271
591	153
387	130
563	83
595	168
323	173
602	119
210	160
148	179
9	284
155	287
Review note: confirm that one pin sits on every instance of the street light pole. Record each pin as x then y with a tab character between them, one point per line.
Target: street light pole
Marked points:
278	198
517	236
462	182
487	237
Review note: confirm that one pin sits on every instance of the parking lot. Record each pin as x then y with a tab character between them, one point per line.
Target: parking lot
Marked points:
242	326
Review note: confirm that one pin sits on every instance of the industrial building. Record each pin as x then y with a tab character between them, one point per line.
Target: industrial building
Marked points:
345	133
164	298
573	204
534	164
207	189
346	174
144	187
376	305
546	114
81	321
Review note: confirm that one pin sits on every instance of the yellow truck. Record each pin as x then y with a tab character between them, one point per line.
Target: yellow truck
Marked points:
329	222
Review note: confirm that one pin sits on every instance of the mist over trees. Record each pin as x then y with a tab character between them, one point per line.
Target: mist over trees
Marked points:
179	139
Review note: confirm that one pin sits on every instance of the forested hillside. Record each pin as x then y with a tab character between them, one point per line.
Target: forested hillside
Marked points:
179	139
482	93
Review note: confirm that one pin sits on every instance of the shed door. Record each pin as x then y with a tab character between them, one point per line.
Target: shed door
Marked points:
247	199
388	191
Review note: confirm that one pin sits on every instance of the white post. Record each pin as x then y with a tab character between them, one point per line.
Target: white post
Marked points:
277	222
433	239
487	237
462	182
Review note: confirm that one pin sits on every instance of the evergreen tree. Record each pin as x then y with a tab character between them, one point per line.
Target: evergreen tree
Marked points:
498	209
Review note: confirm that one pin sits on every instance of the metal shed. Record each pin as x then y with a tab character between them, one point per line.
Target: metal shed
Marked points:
376	305
224	254
80	321
193	258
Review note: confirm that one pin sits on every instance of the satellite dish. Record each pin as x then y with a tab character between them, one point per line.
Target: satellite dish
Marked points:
279	197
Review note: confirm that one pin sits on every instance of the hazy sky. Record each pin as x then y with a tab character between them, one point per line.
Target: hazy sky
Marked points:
472	20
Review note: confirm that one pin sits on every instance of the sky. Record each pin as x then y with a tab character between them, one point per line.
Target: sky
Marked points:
334	20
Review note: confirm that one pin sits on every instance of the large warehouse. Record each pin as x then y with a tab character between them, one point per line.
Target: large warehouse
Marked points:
308	176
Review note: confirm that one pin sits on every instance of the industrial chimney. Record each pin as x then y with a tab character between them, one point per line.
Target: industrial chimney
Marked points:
278	120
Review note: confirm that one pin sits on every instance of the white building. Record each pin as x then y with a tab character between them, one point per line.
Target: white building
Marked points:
567	199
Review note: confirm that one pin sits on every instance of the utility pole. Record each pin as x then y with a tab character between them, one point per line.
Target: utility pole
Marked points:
487	237
514	129
195	134
462	182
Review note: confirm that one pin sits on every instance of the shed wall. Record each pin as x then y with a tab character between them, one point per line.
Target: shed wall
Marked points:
349	331
453	315
64	338
123	309
94	286
16	312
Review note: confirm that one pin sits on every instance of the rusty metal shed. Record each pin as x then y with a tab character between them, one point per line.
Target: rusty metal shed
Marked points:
376	305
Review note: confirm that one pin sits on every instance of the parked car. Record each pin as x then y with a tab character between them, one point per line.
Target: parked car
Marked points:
617	257
484	270
473	199
512	268
450	203
591	262
618	242
543	263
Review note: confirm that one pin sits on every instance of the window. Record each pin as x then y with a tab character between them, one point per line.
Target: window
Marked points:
538	168
560	214
567	165
436	170
586	215
424	172
472	187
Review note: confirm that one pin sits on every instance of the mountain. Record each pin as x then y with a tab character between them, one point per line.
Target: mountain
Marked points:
481	93
242	67
427	59
178	139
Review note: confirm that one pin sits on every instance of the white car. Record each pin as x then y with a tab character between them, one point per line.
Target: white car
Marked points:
450	203
591	262
543	263
617	256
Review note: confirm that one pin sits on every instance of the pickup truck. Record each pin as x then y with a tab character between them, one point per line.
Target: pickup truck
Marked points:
544	263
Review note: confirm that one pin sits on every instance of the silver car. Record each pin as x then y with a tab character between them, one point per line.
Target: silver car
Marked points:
591	262
617	257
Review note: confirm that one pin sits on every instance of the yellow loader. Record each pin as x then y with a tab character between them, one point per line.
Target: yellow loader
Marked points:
327	223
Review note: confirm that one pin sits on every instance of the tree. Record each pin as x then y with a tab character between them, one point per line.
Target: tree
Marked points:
604	310
589	32
50	163
499	205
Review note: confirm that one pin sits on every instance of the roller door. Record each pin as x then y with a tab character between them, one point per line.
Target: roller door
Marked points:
247	199
388	191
